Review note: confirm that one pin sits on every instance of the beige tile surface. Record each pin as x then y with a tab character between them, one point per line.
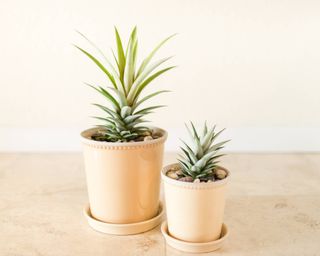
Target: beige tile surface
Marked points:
273	208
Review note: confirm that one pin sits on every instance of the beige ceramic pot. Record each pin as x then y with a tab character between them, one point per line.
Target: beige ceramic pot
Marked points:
123	179
194	210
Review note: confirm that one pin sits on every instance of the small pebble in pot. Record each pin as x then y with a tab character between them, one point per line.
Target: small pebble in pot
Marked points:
220	174
196	181
147	138
179	172
209	181
146	133
156	130
156	135
172	175
186	179
175	168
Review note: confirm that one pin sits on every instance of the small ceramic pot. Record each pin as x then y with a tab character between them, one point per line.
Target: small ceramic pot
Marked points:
123	179
194	210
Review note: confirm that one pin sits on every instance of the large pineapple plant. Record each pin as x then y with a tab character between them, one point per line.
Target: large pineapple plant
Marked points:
124	116
199	160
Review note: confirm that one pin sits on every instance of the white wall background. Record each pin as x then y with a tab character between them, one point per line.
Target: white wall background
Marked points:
251	66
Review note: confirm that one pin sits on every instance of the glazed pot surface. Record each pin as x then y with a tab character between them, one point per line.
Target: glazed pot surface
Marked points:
123	179
194	210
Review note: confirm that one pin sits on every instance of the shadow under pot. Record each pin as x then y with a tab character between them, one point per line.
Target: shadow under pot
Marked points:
123	179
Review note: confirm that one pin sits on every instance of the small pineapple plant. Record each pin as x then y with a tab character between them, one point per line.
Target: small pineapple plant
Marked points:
124	116
195	192
199	161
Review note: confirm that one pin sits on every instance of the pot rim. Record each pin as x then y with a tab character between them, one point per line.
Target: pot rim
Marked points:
84	136
192	185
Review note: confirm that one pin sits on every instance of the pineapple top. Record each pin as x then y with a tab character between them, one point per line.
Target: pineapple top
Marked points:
124	114
200	158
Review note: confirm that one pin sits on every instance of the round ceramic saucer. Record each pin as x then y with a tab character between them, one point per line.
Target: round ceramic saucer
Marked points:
123	229
194	247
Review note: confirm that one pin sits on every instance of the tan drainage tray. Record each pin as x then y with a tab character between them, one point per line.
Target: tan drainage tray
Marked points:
123	229
194	247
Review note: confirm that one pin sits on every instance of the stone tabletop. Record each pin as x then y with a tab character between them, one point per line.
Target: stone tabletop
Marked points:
273	208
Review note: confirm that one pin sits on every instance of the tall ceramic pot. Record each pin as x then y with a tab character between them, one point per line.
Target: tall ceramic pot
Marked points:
123	179
194	210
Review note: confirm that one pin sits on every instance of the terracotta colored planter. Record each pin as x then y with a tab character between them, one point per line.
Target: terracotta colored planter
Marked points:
123	179
194	210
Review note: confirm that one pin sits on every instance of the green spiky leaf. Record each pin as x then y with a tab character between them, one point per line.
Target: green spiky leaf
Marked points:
200	161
